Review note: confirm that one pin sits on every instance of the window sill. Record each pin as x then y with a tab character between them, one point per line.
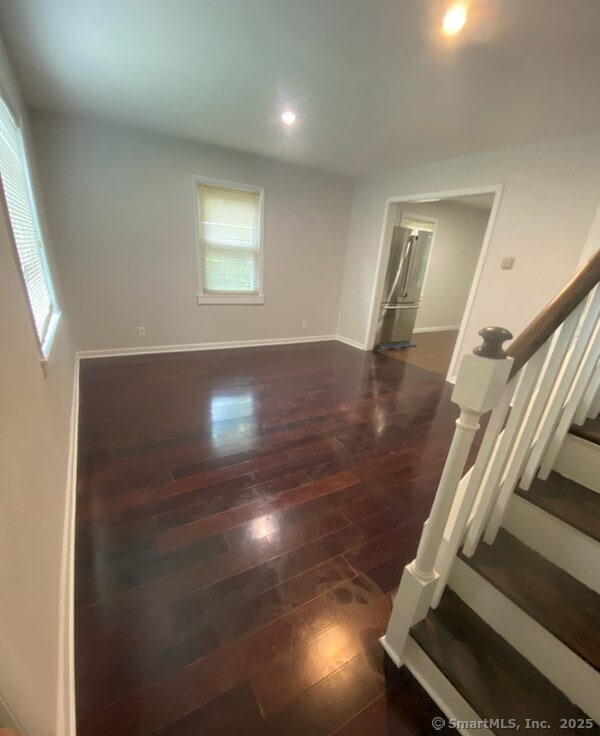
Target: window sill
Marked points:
230	299
49	342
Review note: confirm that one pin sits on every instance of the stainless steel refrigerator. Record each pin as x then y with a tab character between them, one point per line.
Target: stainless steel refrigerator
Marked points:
404	277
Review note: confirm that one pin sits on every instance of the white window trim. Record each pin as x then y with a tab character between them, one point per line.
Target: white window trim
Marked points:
203	297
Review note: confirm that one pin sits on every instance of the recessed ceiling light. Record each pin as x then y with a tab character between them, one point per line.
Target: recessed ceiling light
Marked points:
288	117
455	19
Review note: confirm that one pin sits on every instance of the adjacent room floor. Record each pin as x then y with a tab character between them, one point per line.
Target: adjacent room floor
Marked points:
432	351
243	517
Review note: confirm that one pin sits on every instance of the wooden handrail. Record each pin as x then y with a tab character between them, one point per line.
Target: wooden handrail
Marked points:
554	313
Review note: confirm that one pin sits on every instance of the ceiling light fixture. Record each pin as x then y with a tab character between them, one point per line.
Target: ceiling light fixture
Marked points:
288	117
455	19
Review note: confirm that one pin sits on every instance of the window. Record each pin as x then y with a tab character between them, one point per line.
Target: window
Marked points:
26	231
230	243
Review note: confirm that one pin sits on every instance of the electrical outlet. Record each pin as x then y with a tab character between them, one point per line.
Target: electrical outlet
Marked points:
507	263
141	331
305	324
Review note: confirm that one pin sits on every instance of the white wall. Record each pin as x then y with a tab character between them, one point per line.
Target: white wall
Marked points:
34	446
122	209
458	238
551	192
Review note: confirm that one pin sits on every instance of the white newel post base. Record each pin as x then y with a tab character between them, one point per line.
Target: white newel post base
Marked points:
411	603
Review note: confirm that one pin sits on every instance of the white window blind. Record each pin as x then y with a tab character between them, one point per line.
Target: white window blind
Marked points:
23	220
230	233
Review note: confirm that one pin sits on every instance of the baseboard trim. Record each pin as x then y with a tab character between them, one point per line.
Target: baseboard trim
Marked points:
351	343
65	718
201	346
442	328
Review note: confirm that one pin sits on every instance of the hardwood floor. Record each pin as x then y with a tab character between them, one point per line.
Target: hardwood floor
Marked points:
242	519
432	351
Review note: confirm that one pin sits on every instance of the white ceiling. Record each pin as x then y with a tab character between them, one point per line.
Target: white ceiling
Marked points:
374	83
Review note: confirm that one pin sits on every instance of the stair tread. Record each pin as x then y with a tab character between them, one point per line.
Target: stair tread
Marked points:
567	500
559	602
589	430
493	677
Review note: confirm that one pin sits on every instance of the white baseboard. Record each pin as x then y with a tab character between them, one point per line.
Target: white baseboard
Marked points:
351	343
193	347
557	541
65	718
559	664
442	328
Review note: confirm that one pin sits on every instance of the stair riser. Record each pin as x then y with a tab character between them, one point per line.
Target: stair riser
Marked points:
579	460
569	673
557	541
441	690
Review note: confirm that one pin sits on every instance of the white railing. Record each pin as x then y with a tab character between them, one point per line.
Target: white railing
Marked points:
533	405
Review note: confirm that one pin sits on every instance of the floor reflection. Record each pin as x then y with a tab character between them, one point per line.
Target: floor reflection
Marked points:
239	406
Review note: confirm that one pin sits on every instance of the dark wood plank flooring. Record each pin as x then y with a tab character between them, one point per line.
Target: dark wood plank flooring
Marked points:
242	518
432	351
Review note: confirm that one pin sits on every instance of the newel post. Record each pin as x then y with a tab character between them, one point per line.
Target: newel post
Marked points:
479	386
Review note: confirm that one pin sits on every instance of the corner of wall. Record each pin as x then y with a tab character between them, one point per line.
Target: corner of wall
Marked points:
351	343
65	718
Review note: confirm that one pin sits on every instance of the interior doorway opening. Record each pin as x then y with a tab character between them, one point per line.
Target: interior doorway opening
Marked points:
431	259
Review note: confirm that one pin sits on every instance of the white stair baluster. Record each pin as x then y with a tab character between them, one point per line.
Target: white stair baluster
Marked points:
491	485
466	502
595	406
581	383
585	406
531	423
555	405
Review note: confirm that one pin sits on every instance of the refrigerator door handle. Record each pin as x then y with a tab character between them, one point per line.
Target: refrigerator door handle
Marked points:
408	255
413	270
399	306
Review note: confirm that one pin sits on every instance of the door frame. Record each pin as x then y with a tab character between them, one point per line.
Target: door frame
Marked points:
384	250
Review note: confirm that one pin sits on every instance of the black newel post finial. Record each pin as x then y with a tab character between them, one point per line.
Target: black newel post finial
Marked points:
493	337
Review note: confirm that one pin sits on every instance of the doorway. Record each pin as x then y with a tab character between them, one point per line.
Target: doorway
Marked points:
454	228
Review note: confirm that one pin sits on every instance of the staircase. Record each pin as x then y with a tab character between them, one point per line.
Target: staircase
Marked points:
498	616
